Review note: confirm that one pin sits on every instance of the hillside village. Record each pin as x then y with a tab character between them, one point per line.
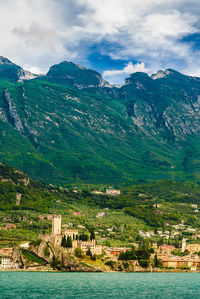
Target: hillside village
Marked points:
144	227
68	249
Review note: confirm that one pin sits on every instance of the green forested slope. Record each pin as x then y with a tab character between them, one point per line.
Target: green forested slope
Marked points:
73	126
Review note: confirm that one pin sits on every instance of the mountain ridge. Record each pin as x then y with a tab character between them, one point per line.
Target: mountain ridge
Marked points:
70	126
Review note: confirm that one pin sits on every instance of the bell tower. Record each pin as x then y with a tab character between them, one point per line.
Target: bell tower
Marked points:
183	245
56	225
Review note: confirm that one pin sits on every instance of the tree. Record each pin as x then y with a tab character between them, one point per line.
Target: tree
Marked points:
55	263
92	235
69	242
93	257
89	253
64	242
143	254
78	252
138	238
83	237
156	261
128	255
151	250
144	263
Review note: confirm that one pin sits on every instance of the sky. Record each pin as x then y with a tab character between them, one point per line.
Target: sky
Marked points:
114	37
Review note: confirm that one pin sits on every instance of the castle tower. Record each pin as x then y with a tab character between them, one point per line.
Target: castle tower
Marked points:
56	225
183	245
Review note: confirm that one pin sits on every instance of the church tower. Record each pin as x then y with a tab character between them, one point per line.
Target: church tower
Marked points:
56	225
183	245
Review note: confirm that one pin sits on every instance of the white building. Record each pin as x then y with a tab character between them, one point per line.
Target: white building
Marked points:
90	245
7	263
113	192
25	245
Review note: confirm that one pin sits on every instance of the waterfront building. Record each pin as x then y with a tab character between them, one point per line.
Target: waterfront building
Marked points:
7	263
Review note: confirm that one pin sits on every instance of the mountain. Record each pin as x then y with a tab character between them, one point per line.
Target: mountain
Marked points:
76	75
72	126
13	72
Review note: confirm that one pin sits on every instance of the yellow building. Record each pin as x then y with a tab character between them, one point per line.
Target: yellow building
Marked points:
192	248
181	262
166	249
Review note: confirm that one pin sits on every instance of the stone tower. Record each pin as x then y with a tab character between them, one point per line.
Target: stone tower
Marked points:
56	225
183	245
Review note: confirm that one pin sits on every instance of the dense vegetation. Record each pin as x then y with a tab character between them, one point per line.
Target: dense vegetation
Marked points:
71	126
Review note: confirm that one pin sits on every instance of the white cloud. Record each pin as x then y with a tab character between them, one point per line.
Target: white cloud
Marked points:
128	69
38	34
118	76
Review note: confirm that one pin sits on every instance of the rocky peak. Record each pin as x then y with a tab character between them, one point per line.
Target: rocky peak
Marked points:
138	76
160	74
26	75
4	60
138	80
76	75
13	72
164	74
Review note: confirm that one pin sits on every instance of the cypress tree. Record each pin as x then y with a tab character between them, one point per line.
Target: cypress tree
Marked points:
92	236
64	242
69	242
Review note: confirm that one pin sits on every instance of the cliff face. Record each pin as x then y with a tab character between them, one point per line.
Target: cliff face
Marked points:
59	258
65	261
72	124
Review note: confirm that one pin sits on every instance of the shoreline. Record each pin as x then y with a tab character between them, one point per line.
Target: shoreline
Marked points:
57	271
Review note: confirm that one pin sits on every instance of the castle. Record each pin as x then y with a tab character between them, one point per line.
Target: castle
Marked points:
58	233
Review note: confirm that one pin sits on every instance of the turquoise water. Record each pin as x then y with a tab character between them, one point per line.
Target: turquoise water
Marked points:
99	285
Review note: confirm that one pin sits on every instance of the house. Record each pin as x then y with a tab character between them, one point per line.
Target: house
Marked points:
10	226
6	251
194	206
7	219
49	217
7	263
190	229
115	251
81	226
166	249
150	233
24	245
77	213
180	262
90	245
156	205
192	248
100	215
141	194
113	192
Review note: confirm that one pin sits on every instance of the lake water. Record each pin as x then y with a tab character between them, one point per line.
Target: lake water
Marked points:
99	285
